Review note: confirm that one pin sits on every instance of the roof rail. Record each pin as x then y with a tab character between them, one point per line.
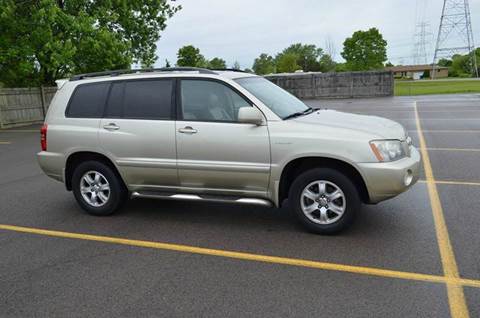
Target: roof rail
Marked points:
228	69
143	70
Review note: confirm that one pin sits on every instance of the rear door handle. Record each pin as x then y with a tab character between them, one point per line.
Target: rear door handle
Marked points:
111	126
187	130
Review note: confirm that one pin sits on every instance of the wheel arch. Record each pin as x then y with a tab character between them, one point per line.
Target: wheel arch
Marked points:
302	164
74	159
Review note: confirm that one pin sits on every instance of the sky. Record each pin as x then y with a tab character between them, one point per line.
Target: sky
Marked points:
240	30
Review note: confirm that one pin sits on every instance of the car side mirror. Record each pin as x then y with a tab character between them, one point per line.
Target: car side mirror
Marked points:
250	115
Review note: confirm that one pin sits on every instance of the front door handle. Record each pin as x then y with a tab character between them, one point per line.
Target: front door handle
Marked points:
187	130
111	126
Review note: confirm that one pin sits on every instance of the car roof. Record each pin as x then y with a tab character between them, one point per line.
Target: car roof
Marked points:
162	72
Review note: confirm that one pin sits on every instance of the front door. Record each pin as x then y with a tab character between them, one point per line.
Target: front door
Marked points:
138	132
215	152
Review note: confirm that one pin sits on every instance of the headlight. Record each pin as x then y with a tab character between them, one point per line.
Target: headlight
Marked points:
387	150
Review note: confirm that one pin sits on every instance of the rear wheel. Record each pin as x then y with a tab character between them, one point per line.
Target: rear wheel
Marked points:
324	200
97	188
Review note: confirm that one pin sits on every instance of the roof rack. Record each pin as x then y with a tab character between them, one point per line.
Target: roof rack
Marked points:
143	70
228	69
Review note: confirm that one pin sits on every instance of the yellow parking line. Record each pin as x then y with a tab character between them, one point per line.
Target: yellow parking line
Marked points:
456	297
452	182
5	142
454	149
372	271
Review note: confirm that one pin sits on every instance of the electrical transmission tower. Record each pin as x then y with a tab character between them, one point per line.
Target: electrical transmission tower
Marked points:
455	34
421	35
420	43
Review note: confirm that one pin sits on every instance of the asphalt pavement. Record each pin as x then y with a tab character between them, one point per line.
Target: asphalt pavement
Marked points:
184	259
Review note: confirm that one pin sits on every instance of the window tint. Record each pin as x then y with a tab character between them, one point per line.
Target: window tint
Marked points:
148	99
115	101
88	101
277	99
210	101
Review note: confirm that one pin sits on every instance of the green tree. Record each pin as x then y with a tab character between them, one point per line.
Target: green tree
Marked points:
326	63
308	56
461	66
217	63
190	56
341	67
264	64
43	40
167	63
236	65
287	63
445	62
365	50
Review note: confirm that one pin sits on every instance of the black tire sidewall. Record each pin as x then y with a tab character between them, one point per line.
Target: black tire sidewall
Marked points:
346	185
117	190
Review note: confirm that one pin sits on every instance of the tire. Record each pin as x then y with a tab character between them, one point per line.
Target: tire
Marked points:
325	213
103	202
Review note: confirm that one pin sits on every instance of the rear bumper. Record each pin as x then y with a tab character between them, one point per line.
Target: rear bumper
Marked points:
385	180
52	164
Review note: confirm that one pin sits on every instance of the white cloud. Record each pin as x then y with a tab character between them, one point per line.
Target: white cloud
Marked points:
239	30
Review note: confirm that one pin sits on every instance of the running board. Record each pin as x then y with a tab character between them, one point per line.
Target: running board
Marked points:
203	197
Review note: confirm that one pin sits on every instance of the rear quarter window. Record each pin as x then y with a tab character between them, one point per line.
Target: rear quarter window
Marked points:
88	101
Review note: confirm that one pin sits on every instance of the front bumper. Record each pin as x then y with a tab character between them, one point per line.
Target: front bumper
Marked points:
385	180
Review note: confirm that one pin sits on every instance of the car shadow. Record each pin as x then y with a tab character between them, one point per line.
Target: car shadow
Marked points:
235	216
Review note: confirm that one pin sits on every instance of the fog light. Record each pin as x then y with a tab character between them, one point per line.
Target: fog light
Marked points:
408	178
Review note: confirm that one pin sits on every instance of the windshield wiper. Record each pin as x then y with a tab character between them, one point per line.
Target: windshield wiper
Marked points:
298	114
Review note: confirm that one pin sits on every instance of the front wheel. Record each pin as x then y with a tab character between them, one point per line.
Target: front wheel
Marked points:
97	188
324	200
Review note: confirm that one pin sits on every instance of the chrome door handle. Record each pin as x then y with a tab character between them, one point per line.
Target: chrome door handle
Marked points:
111	126
187	130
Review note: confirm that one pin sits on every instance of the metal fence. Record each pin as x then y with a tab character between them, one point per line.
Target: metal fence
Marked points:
23	106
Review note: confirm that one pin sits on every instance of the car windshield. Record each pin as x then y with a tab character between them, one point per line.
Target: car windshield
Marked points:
277	99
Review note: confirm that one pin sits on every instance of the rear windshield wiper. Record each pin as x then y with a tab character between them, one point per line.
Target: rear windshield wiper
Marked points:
298	114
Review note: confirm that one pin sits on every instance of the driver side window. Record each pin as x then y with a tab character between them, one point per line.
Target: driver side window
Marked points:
210	101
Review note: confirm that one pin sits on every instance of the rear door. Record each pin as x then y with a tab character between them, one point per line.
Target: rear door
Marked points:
138	131
215	152
79	130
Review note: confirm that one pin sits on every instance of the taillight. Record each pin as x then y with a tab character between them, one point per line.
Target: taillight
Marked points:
43	137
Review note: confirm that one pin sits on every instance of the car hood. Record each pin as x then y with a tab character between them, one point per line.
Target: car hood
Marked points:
375	125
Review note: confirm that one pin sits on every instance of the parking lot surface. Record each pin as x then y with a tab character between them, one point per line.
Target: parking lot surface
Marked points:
415	255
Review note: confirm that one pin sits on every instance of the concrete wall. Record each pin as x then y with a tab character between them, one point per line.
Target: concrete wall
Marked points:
336	85
23	106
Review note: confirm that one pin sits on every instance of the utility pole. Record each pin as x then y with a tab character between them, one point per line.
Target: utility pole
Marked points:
455	34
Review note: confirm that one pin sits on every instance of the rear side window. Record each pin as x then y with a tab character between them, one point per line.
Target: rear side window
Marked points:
148	99
115	101
88	101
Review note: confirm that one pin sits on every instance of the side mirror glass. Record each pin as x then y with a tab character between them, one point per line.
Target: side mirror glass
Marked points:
250	115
